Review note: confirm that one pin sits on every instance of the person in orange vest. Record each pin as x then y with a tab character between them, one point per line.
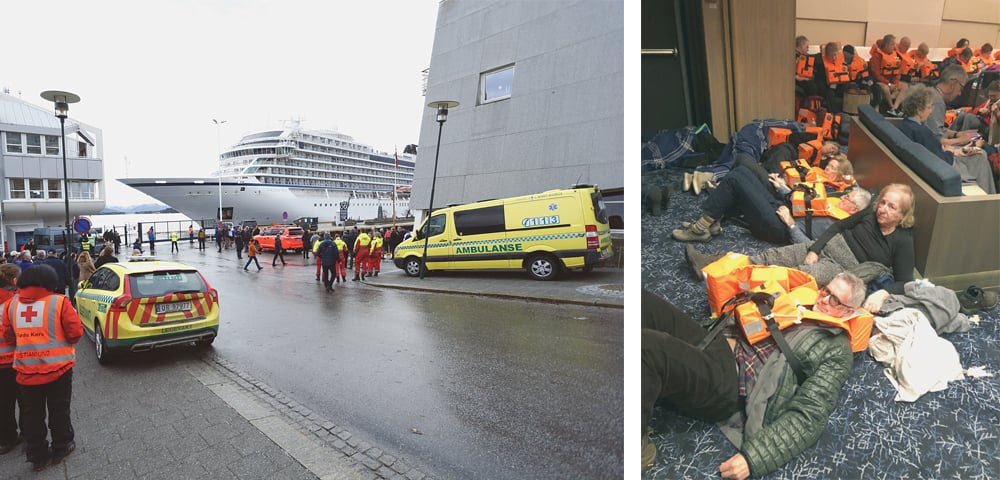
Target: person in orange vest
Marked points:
836	75
907	67
925	69
985	54
730	378
964	59
9	437
43	326
885	66
805	68
375	259
361	249
839	208
960	45
857	67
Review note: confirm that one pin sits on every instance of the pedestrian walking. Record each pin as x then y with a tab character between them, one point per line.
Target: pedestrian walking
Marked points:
201	240
191	234
375	259
239	246
329	257
315	249
341	267
151	234
174	236
43	326
279	251
9	436
361	246
252	255
117	240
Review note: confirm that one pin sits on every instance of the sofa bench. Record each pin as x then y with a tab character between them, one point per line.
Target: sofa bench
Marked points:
956	236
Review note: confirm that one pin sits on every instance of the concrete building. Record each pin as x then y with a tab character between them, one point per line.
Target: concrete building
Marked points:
31	194
540	86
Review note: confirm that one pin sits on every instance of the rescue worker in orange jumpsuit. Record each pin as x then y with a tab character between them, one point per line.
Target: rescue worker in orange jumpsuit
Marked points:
375	259
341	266
361	249
9	438
43	326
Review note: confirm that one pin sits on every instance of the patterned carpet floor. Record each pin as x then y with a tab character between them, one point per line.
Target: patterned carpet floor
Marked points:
954	433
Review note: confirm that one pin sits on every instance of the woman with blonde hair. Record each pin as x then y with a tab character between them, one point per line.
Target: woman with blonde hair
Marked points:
87	267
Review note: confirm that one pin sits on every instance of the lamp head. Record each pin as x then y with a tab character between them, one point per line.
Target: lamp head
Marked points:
442	107
62	101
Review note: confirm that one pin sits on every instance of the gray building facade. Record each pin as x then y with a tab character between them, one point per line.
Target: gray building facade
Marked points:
541	92
31	194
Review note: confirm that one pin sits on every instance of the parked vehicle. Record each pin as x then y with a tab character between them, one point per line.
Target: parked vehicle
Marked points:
291	237
544	233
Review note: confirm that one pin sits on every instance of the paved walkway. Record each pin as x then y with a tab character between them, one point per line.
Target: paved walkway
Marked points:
200	417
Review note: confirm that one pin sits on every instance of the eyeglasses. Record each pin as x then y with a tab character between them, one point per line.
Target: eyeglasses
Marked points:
960	84
830	298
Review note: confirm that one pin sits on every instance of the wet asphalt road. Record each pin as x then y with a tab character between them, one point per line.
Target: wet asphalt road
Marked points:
497	389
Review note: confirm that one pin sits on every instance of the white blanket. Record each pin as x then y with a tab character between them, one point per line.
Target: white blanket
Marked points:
917	360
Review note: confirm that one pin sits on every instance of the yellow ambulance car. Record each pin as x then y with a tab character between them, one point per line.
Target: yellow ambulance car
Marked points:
545	234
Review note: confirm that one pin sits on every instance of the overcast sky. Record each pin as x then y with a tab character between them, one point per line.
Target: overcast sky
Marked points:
153	75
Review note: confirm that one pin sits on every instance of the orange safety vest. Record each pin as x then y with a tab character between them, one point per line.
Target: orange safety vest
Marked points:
41	343
836	71
794	290
804	65
906	63
6	353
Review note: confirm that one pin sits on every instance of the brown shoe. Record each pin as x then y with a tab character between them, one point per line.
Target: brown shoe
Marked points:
697	260
689	235
715	229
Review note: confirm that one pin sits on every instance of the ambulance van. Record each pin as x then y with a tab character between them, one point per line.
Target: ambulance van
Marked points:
544	234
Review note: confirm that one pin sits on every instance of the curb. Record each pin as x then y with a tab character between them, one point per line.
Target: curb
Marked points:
505	296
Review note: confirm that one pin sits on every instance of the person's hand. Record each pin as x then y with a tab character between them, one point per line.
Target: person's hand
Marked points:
811	258
777	181
736	467
874	302
965	136
980	142
785	215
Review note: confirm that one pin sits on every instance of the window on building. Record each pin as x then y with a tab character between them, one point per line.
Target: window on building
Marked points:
82	150
14	143
496	84
35	188
82	190
54	188
51	145
34	143
17	189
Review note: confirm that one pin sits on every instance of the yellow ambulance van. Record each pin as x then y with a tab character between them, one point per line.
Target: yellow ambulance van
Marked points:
545	234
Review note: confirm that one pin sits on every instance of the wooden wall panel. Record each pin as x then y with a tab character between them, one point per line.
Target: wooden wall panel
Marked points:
983	11
846	10
822	31
917	32
977	33
716	20
762	72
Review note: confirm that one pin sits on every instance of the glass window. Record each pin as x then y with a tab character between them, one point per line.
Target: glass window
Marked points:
437	225
17	189
496	85
479	220
51	145
82	190
158	284
35	188
14	143
54	188
34	143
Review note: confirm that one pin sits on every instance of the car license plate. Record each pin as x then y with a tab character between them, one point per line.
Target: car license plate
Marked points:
177	329
172	307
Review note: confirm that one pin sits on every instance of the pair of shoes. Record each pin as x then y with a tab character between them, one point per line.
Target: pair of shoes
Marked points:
317	278
260	268
974	299
892	112
715	229
689	235
697	261
355	278
376	274
345	279
245	270
688	180
328	289
58	457
648	452
7	447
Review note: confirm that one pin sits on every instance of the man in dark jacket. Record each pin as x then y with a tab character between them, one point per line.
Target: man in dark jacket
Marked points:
279	251
328	257
349	239
771	418
59	266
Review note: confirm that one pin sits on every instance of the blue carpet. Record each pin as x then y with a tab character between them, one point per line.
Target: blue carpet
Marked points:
954	433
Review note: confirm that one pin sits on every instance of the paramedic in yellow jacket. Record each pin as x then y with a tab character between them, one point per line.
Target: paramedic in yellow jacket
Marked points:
375	259
361	250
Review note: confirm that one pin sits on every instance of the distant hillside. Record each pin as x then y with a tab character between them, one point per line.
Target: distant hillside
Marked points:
144	208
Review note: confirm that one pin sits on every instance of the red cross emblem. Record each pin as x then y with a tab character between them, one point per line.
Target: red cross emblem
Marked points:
28	315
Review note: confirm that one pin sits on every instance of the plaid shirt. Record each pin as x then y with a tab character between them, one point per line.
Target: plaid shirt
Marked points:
749	358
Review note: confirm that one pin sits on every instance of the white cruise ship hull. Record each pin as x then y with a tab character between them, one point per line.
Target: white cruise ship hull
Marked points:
198	198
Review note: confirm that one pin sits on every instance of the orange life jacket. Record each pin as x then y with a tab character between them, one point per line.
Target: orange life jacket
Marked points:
929	71
905	63
41	343
793	291
796	171
817	202
954	51
891	63
805	66
777	135
970	66
836	71
811	151
987	60
859	70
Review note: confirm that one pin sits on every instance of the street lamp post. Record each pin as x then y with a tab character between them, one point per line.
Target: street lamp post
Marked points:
62	101
442	107
218	148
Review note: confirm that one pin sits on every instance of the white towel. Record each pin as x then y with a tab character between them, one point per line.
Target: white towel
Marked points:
917	360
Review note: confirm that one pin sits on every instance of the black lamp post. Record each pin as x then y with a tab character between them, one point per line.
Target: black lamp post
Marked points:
62	101
442	107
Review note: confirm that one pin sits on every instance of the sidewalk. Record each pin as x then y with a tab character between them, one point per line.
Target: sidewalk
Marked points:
603	287
188	414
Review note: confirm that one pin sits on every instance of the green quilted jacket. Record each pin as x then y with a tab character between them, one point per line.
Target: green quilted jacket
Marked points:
783	418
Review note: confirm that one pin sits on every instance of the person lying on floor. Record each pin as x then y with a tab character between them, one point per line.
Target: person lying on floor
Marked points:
855	200
871	243
742	193
771	418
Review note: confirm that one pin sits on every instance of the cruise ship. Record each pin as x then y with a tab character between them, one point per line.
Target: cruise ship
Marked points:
276	176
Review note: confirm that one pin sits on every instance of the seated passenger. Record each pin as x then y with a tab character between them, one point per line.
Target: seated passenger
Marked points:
857	67
926	71
906	67
805	66
885	66
985	55
964	59
960	45
970	162
878	237
836	75
988	111
731	379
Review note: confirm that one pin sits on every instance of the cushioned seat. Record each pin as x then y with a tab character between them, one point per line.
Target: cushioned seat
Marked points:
938	174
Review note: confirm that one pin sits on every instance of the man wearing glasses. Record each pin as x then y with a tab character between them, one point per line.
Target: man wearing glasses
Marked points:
948	88
749	389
